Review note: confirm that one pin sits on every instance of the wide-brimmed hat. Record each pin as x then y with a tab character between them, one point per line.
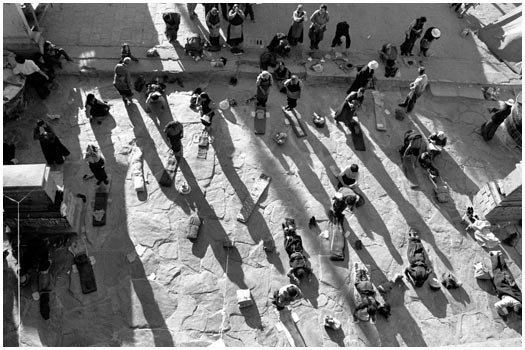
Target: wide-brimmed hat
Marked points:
441	135
434	283
436	33
509	102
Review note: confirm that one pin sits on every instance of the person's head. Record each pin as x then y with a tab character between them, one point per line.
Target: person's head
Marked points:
292	292
342	39
265	74
351	105
40	122
125	46
295	78
509	102
235	7
436	33
155	95
204	96
354	168
441	135
299	8
361	91
197	91
323	8
91	150
419	276
90	98
421	70
126	60
214	11
280	65
373	65
350	200
19	59
300	273
371	309
422	19
517	309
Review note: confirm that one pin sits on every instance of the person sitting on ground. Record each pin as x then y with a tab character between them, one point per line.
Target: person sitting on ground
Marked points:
126	52
96	108
411	144
388	55
299	267
155	99
194	99
437	141
52	54
174	132
425	159
279	45
345	198
348	177
281	74
419	268
341	41
267	59
194	46
506	287
286	295
34	75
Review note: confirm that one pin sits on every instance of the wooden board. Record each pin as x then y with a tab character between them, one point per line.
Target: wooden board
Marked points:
337	241
168	174
255	194
379	109
357	136
294	118
204	145
291	330
101	203
259	120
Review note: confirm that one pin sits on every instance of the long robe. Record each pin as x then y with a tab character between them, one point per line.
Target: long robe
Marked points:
362	78
295	34
54	151
489	129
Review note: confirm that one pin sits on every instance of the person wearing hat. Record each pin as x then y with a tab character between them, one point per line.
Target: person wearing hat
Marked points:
293	88
436	142
174	132
411	35
316	31
348	177
418	271
155	98
96	164
417	87
364	76
264	82
122	80
430	35
488	129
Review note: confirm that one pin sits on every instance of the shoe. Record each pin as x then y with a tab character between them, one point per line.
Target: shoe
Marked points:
402	105
106	182
98	183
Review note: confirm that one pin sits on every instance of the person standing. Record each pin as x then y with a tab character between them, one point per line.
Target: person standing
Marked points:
235	34
122	80
430	35
342	36
96	164
293	88
34	75
411	35
54	151
488	129
295	34
364	76
174	132
417	87
191	10
248	11
264	82
319	20
172	21
281	75
345	113
213	22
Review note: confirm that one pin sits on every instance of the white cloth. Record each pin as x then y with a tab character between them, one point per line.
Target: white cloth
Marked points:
483	234
420	84
27	68
506	302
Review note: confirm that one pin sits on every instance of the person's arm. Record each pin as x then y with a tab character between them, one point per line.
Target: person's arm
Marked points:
128	79
241	14
314	17
88	111
410	26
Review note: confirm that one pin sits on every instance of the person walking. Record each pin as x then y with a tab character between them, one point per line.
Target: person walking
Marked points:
96	164
122	80
319	20
364	76
54	151
174	132
213	22
172	21
295	34
430	35
235	35
264	82
346	112
488	129
411	35
417	87
293	88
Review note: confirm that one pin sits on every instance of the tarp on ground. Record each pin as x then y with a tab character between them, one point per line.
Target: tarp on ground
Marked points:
503	38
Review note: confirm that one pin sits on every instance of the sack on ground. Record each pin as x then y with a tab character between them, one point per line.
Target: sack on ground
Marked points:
193	228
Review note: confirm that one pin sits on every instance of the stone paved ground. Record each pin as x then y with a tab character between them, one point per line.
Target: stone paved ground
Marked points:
181	294
178	293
